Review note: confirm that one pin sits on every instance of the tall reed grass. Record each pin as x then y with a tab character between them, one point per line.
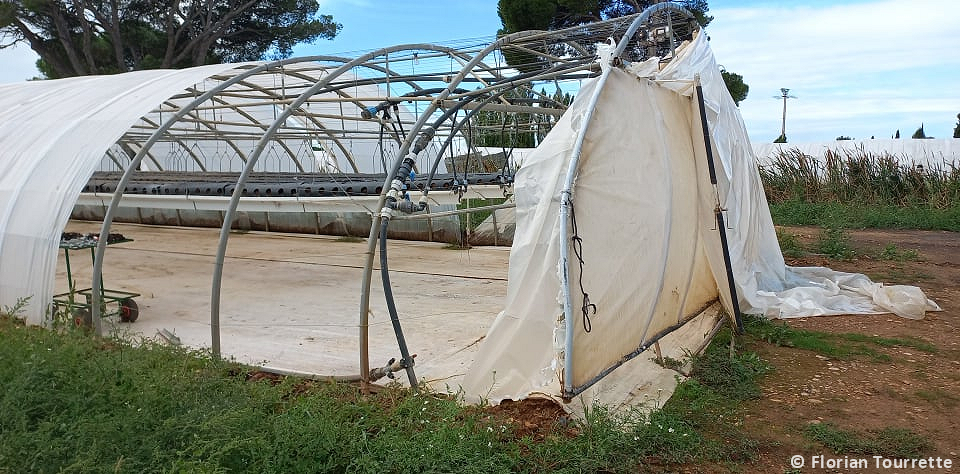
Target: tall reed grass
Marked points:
861	178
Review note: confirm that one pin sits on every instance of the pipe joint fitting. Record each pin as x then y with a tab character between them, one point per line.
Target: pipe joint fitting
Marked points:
424	139
393	365
407	206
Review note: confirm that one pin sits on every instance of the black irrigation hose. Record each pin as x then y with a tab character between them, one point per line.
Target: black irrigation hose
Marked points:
392	307
718	213
407	361
383	159
403	133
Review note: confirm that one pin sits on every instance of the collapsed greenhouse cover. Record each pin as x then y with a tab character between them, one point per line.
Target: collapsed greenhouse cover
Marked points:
622	210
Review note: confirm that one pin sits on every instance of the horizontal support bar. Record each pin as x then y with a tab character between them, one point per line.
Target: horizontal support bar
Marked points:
278	204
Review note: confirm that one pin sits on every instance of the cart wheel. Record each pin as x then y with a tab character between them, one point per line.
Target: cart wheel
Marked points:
129	311
82	317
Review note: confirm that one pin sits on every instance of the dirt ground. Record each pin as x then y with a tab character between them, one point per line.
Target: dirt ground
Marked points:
917	390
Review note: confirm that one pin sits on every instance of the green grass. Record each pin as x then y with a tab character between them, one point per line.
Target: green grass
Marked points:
78	404
890	442
938	397
82	404
893	253
711	401
13	312
790	245
902	341
835	244
858	189
861	216
841	346
473	219
897	274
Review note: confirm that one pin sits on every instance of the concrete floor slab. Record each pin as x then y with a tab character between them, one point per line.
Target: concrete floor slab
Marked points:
291	301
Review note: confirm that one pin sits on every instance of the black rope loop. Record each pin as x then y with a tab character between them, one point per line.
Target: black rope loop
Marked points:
587	307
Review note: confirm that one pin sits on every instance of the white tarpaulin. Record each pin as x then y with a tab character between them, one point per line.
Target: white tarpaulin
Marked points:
54	135
932	152
644	209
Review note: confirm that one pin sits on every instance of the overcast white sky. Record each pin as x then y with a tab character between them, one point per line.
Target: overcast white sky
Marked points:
859	68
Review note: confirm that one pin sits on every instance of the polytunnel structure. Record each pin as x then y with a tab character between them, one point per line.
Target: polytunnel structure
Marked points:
641	220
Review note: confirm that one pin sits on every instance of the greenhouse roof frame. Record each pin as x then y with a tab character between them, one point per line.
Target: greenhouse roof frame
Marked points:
274	104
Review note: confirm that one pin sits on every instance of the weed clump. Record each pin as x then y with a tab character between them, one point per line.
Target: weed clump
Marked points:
890	442
858	176
859	189
835	243
842	346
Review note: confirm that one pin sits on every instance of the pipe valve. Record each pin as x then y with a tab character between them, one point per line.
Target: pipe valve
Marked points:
393	365
396	197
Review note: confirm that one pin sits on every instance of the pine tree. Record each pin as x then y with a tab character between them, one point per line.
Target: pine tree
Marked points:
920	133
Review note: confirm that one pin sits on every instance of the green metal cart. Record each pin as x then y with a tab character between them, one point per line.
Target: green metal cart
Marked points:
75	305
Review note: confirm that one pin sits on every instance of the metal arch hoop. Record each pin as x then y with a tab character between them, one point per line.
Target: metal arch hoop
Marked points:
566	195
135	163
144	151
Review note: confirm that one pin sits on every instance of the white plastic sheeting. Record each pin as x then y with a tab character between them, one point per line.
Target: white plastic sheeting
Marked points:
928	152
636	204
652	258
54	134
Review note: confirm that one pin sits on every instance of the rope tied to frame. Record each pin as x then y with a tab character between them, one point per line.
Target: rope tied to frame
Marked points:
588	308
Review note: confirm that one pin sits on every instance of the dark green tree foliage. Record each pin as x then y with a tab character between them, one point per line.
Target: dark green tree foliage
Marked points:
956	130
781	139
80	37
735	85
920	133
522	15
844	137
490	128
525	15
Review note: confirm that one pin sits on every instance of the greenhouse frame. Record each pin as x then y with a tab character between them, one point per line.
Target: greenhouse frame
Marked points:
641	223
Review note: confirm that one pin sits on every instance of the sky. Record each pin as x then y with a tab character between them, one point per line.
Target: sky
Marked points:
858	68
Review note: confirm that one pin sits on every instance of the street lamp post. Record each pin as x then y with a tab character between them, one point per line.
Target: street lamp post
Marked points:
784	94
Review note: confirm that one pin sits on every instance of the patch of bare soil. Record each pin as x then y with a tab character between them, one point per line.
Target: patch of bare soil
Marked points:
533	417
916	390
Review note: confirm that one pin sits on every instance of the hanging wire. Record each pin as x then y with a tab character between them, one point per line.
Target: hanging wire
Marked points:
588	308
399	120
383	160
453	132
